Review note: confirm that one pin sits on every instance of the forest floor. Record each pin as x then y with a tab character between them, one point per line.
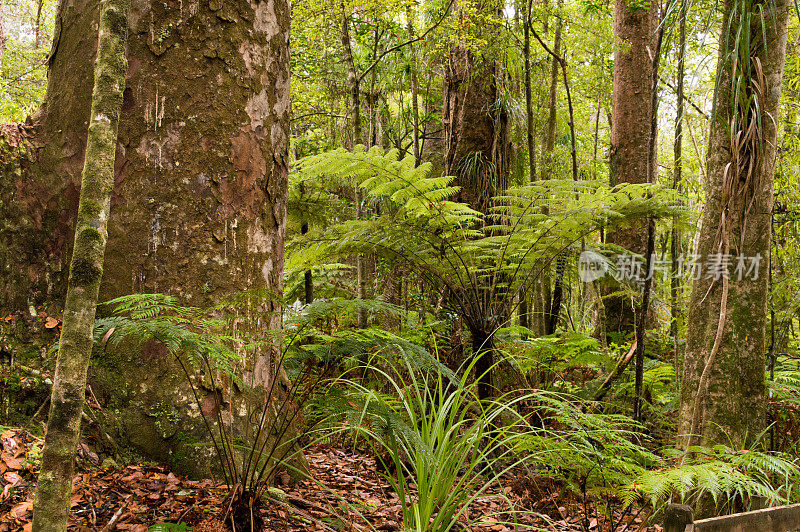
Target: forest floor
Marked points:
355	498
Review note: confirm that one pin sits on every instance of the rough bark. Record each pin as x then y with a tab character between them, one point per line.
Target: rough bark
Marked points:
53	487
631	160
477	142
199	203
722	391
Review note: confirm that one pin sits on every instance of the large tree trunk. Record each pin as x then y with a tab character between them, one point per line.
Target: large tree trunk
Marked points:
477	143
631	160
199	203
53	487
722	391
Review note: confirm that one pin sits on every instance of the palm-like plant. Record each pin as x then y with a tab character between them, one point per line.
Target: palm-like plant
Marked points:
480	261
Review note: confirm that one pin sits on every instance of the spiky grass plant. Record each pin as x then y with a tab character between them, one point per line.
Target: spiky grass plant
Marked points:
441	446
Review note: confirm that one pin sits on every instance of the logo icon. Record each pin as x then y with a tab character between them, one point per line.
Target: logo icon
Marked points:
591	266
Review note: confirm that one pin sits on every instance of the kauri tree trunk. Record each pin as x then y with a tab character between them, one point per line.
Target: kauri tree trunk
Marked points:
199	202
53	488
722	389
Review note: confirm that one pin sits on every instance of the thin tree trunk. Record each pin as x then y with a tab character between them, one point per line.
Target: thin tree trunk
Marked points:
361	277
644	307
524	320
38	30
352	79
528	98
543	304
414	89
51	508
675	247
640	324
3	36
355	117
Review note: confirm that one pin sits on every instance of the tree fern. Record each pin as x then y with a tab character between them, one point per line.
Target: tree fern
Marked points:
482	261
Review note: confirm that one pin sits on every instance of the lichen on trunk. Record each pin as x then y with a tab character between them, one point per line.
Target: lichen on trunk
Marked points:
723	387
53	491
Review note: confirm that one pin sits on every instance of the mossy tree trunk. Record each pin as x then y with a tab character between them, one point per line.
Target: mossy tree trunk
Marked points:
722	387
199	201
53	489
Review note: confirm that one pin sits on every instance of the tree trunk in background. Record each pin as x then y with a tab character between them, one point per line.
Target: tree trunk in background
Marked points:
37	40
477	143
353	80
477	148
3	34
199	203
414	89
53	487
543	296
526	293
529	129
675	241
630	158
722	390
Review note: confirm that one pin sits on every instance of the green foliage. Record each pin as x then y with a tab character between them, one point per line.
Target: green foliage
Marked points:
605	457
481	260
23	70
557	352
436	435
720	472
594	454
169	527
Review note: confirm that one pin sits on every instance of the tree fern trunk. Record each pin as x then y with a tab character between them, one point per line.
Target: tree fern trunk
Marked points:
483	352
51	509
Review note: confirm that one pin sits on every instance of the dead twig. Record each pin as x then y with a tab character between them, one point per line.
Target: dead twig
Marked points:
114	518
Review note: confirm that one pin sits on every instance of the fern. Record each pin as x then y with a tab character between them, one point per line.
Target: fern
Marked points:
483	260
719	472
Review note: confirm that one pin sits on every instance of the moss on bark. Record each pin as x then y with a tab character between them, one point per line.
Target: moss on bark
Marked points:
731	397
51	508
